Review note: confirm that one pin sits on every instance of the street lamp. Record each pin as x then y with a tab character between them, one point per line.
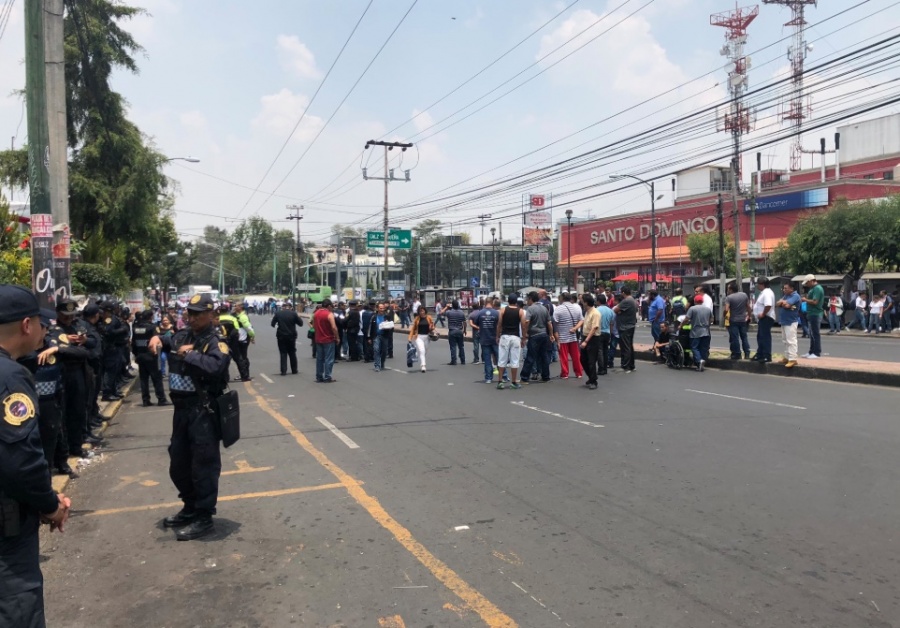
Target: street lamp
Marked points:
569	278
297	250
494	258
653	199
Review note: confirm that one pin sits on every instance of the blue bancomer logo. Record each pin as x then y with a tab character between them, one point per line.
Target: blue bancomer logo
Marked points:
787	202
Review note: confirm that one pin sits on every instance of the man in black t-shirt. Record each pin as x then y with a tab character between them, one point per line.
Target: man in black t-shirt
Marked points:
661	346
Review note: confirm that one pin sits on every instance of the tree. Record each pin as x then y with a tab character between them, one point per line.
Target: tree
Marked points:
704	248
15	254
251	248
844	239
350	232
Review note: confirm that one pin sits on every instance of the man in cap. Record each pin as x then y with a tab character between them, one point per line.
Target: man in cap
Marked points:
229	331
353	329
90	317
815	306
246	336
287	321
115	335
26	495
198	373
71	335
147	359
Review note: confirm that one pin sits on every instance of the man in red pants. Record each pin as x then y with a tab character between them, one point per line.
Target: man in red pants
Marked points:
566	318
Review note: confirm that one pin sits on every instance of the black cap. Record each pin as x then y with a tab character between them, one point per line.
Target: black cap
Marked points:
17	303
106	306
223	307
125	311
47	316
201	303
91	309
66	306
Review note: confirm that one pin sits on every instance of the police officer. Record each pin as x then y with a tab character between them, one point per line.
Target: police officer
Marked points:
228	329
147	360
198	373
126	374
26	495
287	321
90	316
115	336
47	371
71	335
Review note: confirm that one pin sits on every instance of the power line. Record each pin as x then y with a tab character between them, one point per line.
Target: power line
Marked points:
308	105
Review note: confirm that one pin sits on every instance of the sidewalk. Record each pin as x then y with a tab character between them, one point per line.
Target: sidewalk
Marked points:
826	368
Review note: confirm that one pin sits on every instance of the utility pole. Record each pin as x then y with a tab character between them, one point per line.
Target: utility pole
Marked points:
57	156
38	152
295	253
720	217
388	177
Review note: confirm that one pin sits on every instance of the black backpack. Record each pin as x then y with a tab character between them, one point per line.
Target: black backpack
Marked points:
678	307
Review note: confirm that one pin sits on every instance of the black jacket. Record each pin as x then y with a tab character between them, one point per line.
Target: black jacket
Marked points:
353	322
287	322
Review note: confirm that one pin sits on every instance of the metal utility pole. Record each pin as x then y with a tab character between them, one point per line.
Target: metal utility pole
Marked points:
57	156
38	154
388	177
653	198
295	253
569	247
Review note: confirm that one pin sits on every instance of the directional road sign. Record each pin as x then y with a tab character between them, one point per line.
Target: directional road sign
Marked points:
397	239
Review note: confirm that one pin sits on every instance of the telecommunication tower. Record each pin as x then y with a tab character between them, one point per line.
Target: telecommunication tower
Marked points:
739	119
798	107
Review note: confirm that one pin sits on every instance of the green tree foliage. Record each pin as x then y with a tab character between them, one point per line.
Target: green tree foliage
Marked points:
14	168
704	248
844	239
15	254
95	279
250	249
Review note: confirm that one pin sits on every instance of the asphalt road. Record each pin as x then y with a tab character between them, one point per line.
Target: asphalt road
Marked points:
670	499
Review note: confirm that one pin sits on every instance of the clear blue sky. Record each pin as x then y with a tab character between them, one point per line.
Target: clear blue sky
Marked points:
226	81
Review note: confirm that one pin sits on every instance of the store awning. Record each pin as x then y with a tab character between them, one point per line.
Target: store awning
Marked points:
635	277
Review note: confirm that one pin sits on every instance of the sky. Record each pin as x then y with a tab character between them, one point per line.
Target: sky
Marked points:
226	82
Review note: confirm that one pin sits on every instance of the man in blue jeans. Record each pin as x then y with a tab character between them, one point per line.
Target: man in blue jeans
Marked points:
815	306
326	337
486	323
539	328
764	311
656	313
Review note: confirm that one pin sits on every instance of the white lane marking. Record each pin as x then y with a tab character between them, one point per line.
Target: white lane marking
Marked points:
461	528
266	377
399	371
331	428
521	404
768	403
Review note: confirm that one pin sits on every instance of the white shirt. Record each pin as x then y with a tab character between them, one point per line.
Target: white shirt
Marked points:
766	298
707	301
860	303
877	306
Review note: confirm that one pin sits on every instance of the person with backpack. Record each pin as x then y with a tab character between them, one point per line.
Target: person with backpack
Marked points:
679	304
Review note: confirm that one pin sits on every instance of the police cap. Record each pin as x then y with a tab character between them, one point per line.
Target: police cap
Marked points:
66	306
17	303
107	306
91	309
223	307
47	317
201	303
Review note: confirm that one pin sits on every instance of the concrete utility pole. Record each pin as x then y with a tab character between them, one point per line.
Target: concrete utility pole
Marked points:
295	254
55	76
38	154
387	178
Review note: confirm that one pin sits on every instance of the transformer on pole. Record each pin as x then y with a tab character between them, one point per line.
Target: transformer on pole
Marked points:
798	107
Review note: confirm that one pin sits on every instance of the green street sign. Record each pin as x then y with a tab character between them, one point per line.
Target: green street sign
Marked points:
397	239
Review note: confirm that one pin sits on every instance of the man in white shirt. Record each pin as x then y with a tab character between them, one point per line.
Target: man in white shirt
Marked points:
860	312
707	300
764	311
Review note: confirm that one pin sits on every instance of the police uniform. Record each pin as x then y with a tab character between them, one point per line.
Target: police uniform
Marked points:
25	489
195	380
229	332
115	336
49	385
148	362
73	357
94	346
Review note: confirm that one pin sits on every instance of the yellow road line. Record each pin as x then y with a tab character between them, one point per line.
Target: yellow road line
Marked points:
226	498
244	467
474	600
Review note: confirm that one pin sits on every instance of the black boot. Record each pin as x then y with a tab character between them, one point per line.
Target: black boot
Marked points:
200	526
163	402
180	519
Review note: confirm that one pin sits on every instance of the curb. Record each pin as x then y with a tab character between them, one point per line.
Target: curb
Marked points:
108	411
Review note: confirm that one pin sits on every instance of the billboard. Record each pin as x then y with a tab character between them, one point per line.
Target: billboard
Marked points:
792	200
538	230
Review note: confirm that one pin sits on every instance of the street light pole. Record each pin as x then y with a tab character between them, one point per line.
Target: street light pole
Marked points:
653	199
295	253
569	279
493	258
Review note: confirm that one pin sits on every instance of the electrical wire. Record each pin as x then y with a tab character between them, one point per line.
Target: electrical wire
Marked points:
308	105
5	12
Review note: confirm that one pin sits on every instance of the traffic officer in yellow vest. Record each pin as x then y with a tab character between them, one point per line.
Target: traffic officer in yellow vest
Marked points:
26	496
198	374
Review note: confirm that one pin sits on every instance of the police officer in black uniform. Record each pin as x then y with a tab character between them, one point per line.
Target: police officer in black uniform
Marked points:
287	321
147	360
115	336
90	316
26	495
126	374
47	370
71	335
198	373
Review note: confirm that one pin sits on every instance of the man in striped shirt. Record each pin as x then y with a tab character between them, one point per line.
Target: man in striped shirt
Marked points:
566	316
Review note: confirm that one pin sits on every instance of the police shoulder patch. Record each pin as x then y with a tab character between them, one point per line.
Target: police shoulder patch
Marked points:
51	360
108	320
63	338
17	409
223	348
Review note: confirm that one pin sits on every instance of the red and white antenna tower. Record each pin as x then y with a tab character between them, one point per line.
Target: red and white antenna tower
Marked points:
739	119
798	108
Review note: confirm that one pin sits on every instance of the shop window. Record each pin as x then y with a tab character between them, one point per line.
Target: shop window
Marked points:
869	177
889	175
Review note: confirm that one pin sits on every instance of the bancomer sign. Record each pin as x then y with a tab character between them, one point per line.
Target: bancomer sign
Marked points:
792	200
670	229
